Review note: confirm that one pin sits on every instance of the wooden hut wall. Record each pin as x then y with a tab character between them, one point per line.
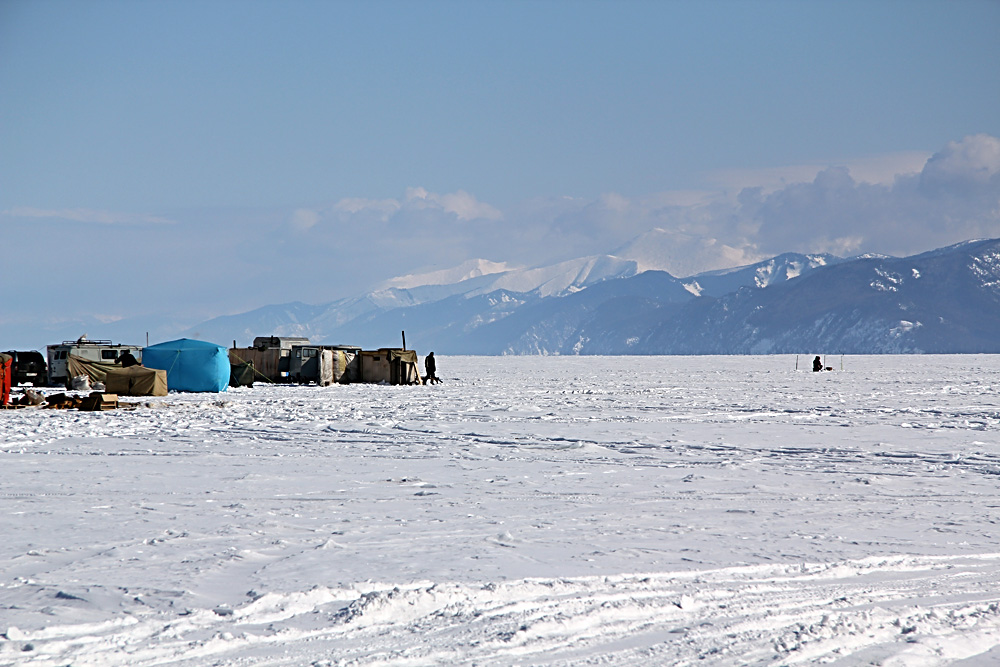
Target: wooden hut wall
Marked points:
375	367
266	362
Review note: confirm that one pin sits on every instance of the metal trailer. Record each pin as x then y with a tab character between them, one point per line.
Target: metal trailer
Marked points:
324	364
92	350
270	356
278	342
269	363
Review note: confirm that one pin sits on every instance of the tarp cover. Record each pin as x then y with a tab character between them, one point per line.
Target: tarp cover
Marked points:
191	365
136	381
406	356
95	370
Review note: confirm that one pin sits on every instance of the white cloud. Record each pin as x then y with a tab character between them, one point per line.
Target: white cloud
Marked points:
682	254
467	207
461	204
877	169
381	209
956	196
304	219
613	201
900	204
905	203
87	216
973	161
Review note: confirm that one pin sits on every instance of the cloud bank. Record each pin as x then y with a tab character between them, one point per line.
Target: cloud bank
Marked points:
85	215
231	260
950	196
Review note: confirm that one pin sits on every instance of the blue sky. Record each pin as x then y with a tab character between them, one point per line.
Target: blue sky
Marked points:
245	149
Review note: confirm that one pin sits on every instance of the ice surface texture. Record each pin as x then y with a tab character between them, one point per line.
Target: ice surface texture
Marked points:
530	510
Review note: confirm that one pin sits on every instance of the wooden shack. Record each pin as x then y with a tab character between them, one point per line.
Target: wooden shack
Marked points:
390	366
270	363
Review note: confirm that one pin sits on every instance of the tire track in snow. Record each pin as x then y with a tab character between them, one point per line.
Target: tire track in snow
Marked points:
900	610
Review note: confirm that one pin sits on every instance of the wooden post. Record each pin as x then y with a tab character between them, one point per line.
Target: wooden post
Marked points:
404	341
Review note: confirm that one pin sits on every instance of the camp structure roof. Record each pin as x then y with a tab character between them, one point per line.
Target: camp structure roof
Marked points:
191	365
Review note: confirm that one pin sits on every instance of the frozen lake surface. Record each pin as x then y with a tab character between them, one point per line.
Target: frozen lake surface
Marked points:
530	510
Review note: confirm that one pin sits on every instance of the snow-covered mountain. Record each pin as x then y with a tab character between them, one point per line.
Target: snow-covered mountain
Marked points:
947	300
485	290
944	301
772	271
474	268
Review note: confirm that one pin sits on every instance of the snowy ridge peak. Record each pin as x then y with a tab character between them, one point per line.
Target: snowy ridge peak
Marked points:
472	268
565	277
786	267
776	270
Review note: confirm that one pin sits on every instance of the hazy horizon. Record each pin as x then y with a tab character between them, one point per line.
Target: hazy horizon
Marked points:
178	161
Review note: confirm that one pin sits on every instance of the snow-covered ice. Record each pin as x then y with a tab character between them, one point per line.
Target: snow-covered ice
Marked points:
530	510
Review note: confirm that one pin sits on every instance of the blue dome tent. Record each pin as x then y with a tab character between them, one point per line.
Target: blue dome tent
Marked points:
191	365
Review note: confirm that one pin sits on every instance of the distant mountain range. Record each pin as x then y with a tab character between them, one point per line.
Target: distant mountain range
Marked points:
944	301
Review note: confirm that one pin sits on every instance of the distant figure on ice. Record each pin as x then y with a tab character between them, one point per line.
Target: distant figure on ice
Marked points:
818	366
430	370
126	359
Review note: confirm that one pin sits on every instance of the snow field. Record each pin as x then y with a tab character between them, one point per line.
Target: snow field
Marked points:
665	510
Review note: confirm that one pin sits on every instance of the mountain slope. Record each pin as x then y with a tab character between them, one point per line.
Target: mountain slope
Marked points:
945	300
769	272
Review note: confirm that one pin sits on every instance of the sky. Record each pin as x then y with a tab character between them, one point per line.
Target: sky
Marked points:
184	160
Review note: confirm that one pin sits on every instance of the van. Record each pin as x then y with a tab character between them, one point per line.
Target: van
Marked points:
92	350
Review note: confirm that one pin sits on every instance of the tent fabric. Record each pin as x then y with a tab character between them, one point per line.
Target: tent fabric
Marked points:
136	381
191	365
5	371
241	374
406	356
95	370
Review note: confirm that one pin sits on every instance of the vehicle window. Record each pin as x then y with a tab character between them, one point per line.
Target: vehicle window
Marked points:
310	353
108	354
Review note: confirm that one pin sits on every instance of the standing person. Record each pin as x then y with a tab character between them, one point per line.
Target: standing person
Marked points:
430	369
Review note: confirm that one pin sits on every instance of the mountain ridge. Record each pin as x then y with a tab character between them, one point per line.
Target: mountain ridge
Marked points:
604	304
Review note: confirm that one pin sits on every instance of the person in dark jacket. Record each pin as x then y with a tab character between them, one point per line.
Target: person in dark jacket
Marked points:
817	365
430	370
126	359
